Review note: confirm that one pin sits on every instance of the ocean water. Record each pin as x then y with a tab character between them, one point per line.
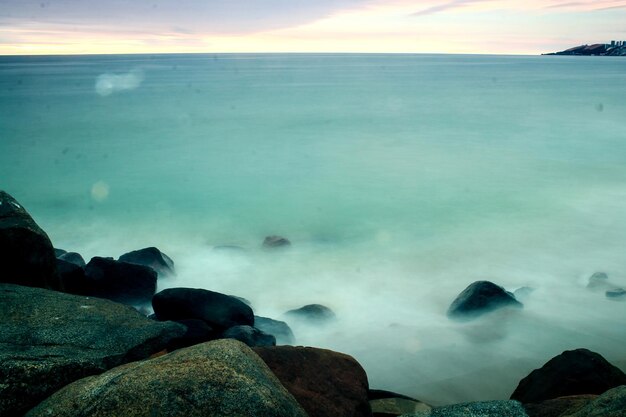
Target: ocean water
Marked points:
399	179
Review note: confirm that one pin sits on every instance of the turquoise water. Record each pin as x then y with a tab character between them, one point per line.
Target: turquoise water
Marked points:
400	179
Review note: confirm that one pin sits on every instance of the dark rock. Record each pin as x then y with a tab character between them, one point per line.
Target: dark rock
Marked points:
198	331
220	311
312	313
120	281
610	404
72	278
573	372
26	254
275	242
598	281
481	409
523	293
73	257
58	252
250	336
49	339
479	298
388	407
243	300
151	257
324	382
557	407
220	378
616	294
279	329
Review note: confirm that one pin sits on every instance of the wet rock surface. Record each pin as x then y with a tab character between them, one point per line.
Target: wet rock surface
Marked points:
153	258
324	382
479	298
120	281
220	378
49	339
26	253
218	310
573	372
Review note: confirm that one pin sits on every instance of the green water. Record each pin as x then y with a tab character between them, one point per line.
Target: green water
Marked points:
400	179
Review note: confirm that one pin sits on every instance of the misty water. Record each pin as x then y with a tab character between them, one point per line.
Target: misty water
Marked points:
399	179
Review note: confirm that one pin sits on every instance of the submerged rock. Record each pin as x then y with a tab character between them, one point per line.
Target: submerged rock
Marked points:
616	294
279	329
313	313
120	281
276	242
151	257
74	258
26	253
599	281
220	311
479	298
573	372
324	382
250	336
49	339
220	378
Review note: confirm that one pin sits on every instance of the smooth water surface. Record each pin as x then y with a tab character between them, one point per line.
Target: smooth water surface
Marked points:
399	179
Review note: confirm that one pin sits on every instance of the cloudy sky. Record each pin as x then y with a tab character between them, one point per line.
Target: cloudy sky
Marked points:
447	26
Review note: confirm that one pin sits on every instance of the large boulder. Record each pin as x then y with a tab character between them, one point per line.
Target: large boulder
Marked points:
481	409
324	382
610	404
573	372
120	281
151	257
312	313
479	298
26	254
198	331
220	378
556	407
249	335
49	339
74	258
72	278
220	311
279	329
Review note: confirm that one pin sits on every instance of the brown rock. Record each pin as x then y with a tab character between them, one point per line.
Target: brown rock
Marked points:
324	382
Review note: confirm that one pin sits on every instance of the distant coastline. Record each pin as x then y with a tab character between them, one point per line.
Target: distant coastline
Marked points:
615	48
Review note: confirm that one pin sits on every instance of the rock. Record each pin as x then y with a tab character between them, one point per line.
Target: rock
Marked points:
523	293
250	336
120	281
198	331
243	300
279	329
58	252
573	372
220	311
74	258
610	404
49	339
324	382
72	278
557	407
312	313
479	298
388	407
151	257
616	294
26	254
598	281
275	242
220	378
481	409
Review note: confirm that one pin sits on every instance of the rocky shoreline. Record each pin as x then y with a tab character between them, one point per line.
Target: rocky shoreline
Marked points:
79	339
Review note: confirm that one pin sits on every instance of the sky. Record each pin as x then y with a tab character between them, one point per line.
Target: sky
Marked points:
392	26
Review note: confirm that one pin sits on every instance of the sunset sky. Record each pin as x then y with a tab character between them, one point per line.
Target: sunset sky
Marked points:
443	26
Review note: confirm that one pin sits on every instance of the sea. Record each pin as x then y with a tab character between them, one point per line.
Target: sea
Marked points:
398	179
